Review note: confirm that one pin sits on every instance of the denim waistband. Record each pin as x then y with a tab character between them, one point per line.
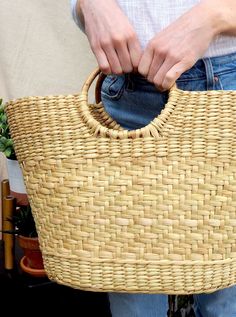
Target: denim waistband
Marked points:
220	60
206	68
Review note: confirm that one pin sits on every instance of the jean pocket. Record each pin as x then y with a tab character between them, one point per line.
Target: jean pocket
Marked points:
113	87
192	85
227	81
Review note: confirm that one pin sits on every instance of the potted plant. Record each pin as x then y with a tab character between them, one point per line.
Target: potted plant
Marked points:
6	143
15	176
25	229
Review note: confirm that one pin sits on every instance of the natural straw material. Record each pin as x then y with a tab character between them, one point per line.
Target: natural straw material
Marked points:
151	210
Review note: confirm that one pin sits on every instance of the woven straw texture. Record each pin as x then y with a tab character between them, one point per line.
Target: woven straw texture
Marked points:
150	210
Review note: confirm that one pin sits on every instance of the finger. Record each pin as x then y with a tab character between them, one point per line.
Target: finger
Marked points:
145	62
124	57
112	58
161	73
102	61
135	52
174	73
154	67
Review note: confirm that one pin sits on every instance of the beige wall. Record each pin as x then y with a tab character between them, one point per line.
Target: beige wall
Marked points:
42	51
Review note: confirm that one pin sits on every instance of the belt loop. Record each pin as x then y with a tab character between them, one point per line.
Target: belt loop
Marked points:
209	73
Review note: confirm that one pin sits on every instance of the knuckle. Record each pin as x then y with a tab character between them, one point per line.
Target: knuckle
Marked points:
173	56
171	76
105	68
156	82
116	70
141	71
135	59
105	43
151	78
152	44
135	63
118	73
128	69
131	36
118	40
161	51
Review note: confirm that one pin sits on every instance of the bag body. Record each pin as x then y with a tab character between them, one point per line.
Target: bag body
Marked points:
151	210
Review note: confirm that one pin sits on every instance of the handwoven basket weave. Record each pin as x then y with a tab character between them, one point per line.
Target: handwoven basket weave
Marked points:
151	210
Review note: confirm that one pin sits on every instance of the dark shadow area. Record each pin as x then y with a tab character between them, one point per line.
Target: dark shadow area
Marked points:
21	293
26	295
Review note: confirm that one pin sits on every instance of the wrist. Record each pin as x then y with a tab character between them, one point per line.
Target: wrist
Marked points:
213	16
220	16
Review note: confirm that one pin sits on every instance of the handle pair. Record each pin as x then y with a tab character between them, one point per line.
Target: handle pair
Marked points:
99	82
153	129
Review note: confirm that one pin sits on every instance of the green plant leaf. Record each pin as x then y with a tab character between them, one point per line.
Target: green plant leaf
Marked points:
4	118
8	152
2	147
6	143
3	140
9	143
24	223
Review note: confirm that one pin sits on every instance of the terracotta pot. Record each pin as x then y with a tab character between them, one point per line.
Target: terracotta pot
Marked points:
29	270
33	255
21	199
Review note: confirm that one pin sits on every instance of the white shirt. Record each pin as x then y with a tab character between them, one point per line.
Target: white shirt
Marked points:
149	17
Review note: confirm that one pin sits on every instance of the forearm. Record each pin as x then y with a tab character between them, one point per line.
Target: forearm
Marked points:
111	36
80	7
222	14
176	48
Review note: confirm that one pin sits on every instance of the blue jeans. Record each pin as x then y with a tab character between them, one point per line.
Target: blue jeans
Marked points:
133	103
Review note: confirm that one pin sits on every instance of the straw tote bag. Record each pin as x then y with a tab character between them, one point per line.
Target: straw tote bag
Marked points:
151	210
